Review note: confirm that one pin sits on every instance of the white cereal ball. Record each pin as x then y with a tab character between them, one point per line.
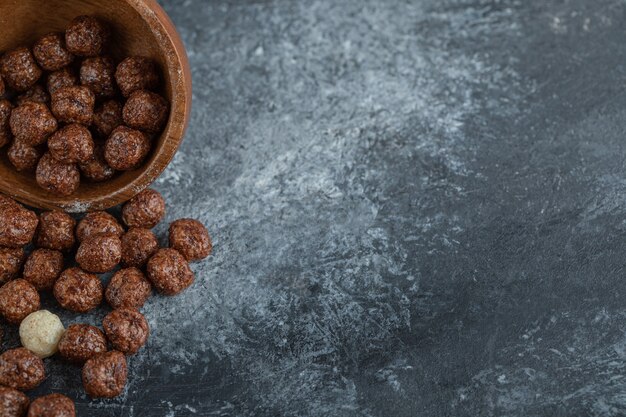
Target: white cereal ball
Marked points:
40	333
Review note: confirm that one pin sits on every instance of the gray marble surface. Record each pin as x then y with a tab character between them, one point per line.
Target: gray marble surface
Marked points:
417	210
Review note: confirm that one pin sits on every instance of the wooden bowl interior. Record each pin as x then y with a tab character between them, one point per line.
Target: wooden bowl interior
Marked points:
133	33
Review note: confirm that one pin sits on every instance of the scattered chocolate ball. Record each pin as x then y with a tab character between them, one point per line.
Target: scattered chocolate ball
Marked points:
126	148
127	329
98	74
73	104
56	176
21	369
37	94
146	111
71	144
136	73
169	272
128	288
98	223
138	245
107	117
100	253
56	231
23	156
18	298
13	403
11	261
5	126
77	290
190	238
145	210
17	224
96	168
86	36
51	53
52	405
62	78
19	69
81	342
32	123
43	267
104	375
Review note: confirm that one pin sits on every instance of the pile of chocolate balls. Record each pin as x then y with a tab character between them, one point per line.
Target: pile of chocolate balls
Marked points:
66	258
68	110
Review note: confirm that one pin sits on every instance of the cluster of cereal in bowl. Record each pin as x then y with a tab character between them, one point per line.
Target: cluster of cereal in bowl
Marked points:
69	111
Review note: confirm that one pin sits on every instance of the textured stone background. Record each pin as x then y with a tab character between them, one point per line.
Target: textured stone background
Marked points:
417	209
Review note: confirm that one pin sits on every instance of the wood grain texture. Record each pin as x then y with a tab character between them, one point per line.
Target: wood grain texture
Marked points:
140	27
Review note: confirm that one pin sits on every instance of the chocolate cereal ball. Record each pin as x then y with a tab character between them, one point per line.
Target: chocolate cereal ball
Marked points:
169	272
145	210
19	69
21	369
104	375
127	329
56	176
18	298
86	36
43	267
71	144
78	291
62	78
73	104
81	342
190	238
98	74
136	73
96	168
51	53
5	126
32	123
98	223
56	231
128	288
138	245
100	253
17	224
145	111
52	405
126	148
11	261
37	94
23	156
107	117
13	403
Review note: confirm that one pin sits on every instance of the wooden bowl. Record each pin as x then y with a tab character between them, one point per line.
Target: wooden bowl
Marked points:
139	27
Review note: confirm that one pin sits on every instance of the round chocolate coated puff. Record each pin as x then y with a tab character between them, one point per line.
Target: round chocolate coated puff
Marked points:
128	288
43	267
19	69
23	156
32	123
77	290
98	74
73	104
169	272
52	405
36	94
21	369
104	375
71	144
11	261
51	53
136	73
100	253
56	231
127	329
17	224
12	402
126	148
96	168
81	342
18	298
62	78
57	177
146	111
144	210
86	36
138	245
190	238
107	117
98	223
